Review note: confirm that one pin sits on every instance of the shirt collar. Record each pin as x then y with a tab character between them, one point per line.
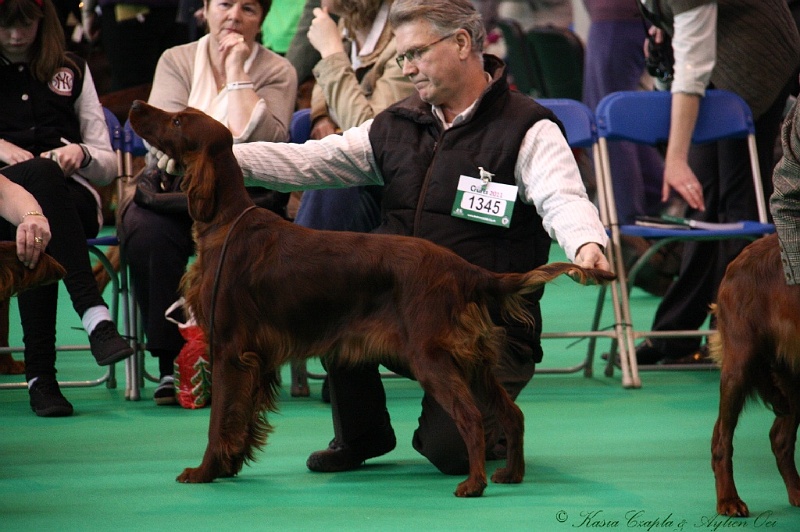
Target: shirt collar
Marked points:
373	36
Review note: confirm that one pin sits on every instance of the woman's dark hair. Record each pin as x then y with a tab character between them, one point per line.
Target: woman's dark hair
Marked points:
48	52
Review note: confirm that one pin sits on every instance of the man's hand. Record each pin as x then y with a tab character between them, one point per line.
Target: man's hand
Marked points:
164	161
590	255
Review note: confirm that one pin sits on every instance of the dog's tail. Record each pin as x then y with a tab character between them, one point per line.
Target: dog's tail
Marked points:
515	285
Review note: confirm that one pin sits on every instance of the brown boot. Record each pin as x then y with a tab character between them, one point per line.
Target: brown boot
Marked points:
8	366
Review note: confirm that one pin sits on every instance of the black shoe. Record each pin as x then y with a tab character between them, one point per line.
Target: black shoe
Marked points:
47	400
165	393
107	345
342	457
647	354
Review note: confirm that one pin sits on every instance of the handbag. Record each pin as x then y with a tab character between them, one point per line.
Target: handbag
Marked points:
160	192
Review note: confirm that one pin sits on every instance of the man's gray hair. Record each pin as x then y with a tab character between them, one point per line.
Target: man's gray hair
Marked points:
446	16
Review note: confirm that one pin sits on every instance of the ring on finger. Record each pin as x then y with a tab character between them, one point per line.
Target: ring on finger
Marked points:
38	239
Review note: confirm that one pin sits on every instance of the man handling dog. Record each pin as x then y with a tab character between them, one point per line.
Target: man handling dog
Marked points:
467	164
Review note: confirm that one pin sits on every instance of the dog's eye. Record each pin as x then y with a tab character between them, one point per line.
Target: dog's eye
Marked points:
176	122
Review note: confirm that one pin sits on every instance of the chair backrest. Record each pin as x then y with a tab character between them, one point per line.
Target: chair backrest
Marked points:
558	54
644	117
300	126
114	129
522	66
578	120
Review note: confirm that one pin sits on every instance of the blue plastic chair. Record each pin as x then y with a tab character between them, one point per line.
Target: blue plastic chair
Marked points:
644	118
300	126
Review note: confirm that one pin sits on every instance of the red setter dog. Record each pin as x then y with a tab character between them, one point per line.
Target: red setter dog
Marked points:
758	348
285	291
15	277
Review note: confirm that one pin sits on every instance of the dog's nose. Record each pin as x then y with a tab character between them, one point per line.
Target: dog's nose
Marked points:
136	104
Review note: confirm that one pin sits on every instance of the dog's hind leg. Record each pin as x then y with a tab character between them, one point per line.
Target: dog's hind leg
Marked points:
783	434
445	383
733	393
512	423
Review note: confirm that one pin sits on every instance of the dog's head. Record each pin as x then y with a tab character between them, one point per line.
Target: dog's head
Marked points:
192	138
15	277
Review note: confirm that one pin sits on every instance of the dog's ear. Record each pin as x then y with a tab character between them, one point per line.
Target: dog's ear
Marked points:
200	187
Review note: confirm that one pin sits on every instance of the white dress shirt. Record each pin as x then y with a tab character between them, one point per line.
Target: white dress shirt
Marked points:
545	172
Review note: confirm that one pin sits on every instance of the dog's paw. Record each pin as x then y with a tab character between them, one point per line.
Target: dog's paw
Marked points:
193	475
732	507
794	497
470	488
505	475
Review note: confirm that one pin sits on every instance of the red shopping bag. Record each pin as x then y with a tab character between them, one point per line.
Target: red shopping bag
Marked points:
192	367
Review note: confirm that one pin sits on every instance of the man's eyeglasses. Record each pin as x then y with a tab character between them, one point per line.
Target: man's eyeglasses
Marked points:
415	54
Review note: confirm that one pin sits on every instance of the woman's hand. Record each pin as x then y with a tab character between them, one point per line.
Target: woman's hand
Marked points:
69	157
323	34
13	154
680	177
234	51
33	235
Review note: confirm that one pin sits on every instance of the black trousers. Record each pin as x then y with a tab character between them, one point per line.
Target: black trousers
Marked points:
358	402
71	211
157	247
723	169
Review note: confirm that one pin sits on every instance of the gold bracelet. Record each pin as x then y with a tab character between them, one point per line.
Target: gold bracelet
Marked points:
32	213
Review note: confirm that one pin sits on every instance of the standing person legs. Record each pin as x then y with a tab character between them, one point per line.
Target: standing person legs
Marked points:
723	169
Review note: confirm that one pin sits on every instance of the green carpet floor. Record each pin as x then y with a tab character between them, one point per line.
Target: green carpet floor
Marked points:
598	456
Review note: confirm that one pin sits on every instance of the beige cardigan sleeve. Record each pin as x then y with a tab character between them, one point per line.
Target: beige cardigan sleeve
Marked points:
274	80
351	102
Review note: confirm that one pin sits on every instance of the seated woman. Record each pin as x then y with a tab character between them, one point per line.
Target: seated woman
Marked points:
54	139
357	78
230	76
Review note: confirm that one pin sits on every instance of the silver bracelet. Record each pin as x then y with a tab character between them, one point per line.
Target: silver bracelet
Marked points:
239	85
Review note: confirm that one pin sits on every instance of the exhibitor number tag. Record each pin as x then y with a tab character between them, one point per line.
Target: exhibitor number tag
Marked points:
484	201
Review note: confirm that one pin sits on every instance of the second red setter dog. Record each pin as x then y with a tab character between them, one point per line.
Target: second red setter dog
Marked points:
286	291
15	277
758	348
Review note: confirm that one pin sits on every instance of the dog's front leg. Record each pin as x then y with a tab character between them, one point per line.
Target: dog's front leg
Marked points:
218	460
730	406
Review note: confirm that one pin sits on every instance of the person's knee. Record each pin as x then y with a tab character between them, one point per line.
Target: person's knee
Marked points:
449	457
39	176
